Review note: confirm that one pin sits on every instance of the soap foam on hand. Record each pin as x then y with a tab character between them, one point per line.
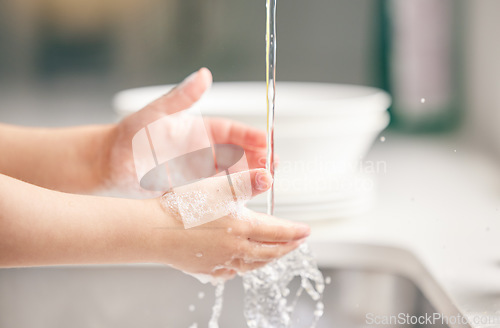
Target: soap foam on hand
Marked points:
210	199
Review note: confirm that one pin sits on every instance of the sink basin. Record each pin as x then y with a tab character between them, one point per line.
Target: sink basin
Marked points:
157	296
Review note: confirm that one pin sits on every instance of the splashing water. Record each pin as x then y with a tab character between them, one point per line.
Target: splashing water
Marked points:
266	289
217	308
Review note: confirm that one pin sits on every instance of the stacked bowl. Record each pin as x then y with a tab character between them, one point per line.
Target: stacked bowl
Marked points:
322	132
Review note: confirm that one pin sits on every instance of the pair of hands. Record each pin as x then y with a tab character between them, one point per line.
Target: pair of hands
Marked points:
234	243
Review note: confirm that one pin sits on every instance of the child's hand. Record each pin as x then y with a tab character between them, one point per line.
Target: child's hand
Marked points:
63	228
239	241
118	164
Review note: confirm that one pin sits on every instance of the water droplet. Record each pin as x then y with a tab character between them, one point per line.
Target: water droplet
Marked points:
201	295
382	139
229	230
328	280
422	100
199	254
454	150
319	309
192	308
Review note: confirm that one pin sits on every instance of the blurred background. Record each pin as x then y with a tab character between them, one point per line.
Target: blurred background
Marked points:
62	60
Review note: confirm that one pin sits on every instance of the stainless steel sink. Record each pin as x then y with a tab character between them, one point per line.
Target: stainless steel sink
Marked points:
155	296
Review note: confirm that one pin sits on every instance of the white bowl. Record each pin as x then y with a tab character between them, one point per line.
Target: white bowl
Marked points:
322	130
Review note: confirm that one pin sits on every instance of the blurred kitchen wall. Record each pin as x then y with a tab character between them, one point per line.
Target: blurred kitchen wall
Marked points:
482	73
62	60
127	43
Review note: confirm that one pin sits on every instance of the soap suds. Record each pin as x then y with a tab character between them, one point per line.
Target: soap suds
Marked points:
209	199
195	207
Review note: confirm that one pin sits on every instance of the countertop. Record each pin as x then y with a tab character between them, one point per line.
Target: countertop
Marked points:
436	220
